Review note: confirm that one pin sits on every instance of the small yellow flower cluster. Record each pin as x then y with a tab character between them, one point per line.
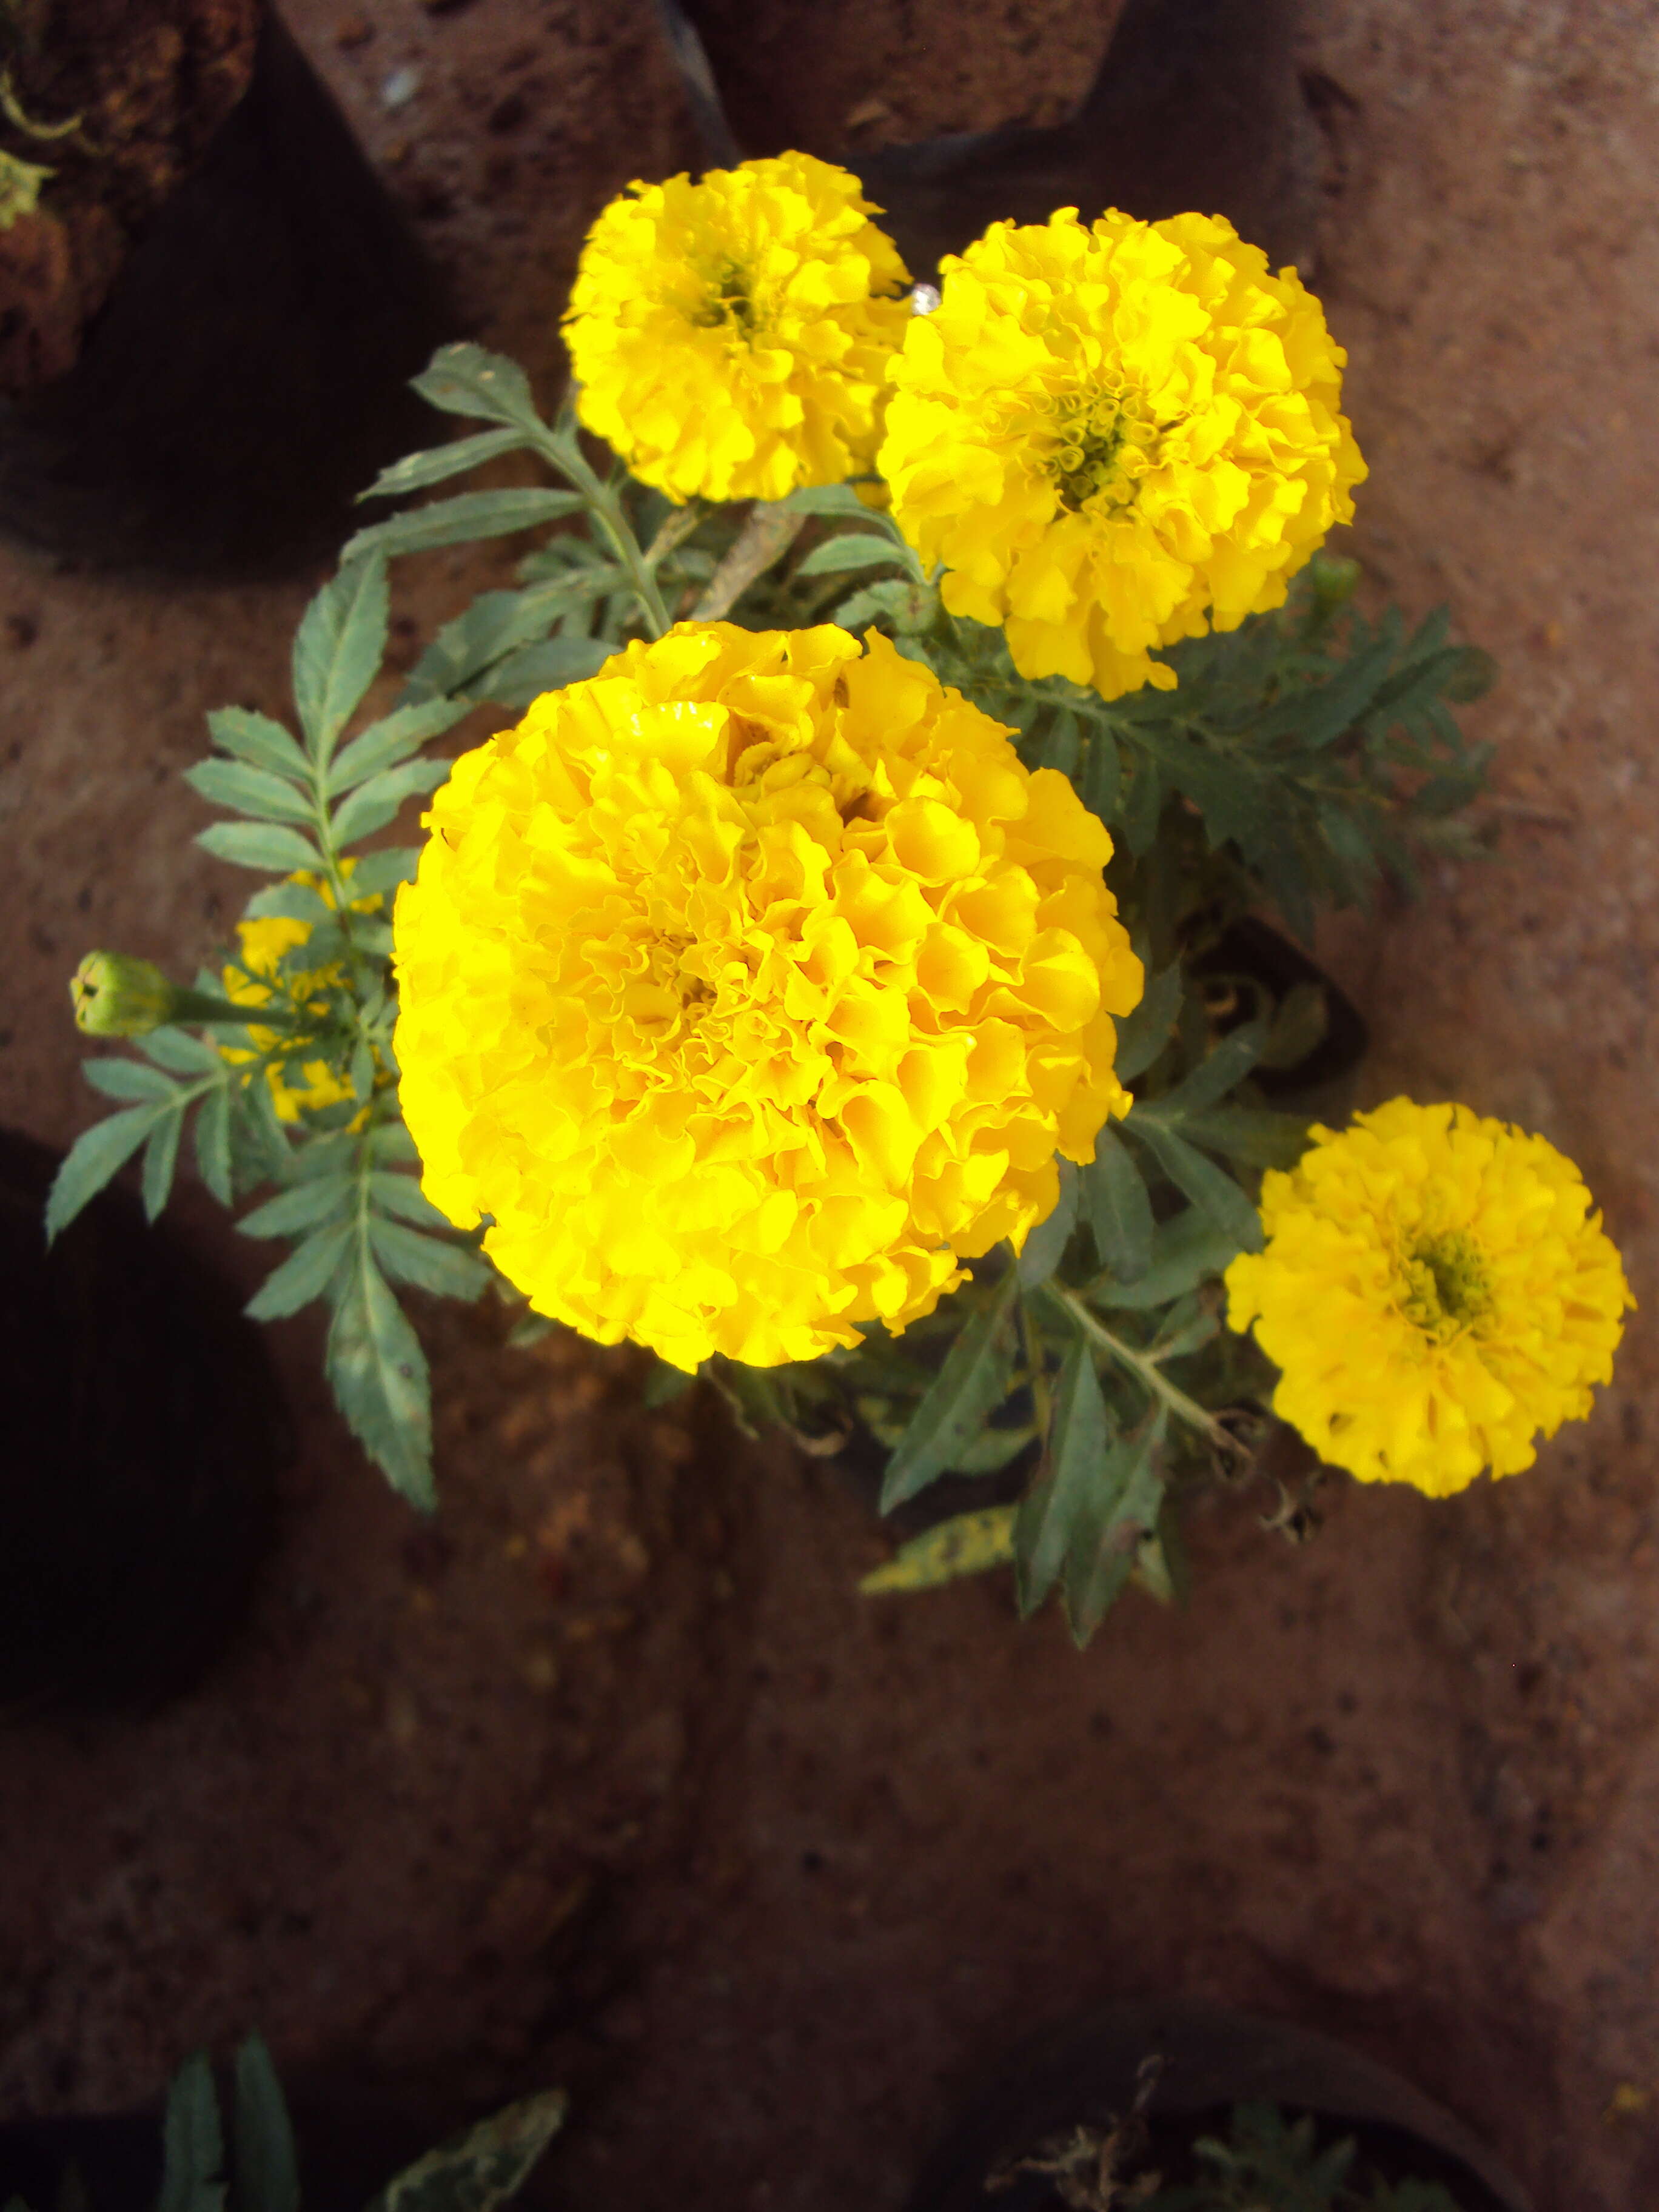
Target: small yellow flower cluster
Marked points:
751	985
1436	1292
730	336
297	1087
1114	435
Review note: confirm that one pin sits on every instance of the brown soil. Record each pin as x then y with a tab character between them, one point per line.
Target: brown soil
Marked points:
147	83
610	1776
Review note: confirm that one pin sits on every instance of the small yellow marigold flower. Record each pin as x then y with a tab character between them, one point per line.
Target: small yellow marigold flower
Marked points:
1436	1292
1114	437
750	986
731	337
297	1087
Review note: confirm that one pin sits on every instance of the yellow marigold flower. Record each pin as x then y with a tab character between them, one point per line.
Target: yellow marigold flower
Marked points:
1436	1290
297	1087
749	986
731	337
1113	436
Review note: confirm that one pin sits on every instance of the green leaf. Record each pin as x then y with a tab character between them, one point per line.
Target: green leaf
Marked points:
1202	1182
1299	1025
213	1154
1188	1250
1079	1435
319	1199
267	2167
391	1145
1045	1243
419	471
465	379
477	2171
824	499
177	1050
1143	1033
1256	1135
1144	806
392	737
526	675
379	1374
1222	1069
841	555
1319	715
469	515
402	1194
1120	1212
250	791
1103	775
1123	1511
912	608
260	845
160	1159
972	1382
378	872
291	901
304	1275
96	1157
450	1271
373	804
665	1383
256	739
967	1544
128	1078
195	2150
992	1449
338	648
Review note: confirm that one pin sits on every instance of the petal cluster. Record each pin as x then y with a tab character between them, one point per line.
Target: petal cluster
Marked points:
749	986
1115	435
731	337
1436	1292
265	972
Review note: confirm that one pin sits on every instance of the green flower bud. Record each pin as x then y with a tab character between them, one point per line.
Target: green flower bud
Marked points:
116	997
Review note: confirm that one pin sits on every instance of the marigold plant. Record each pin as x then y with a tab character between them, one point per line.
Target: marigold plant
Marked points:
1437	1292
267	970
749	986
1114	435
731	337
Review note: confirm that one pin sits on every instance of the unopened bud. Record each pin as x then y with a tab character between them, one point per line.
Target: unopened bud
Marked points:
116	997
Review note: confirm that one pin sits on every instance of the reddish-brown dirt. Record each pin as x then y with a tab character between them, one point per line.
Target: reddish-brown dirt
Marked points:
610	1776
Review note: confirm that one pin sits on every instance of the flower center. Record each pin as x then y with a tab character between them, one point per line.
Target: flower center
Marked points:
666	966
728	300
1105	441
1446	1286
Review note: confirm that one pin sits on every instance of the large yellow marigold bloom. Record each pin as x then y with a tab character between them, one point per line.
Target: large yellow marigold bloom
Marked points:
732	337
1436	1292
1115	435
297	1087
748	987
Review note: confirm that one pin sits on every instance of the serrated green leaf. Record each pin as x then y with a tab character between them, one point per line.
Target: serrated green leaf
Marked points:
1299	1025
1144	808
387	741
338	649
160	1159
972	1382
467	516
1103	775
377	873
373	804
967	1544
391	1145
449	1271
194	2145
251	791
1143	1033
824	499
1123	1509
319	1199
419	471
1222	1069
402	1194
992	1449
1045	1243
96	1157
465	379
1080	1434
177	1050
128	1078
481	2169
1188	1250
213	1148
260	845
304	1275
847	552
526	676
1256	1135
379	1374
258	740
1119	1211
267	2165
291	901
1200	1179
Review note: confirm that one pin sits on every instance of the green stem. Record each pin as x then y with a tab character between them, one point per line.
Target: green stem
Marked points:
1183	1407
606	509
